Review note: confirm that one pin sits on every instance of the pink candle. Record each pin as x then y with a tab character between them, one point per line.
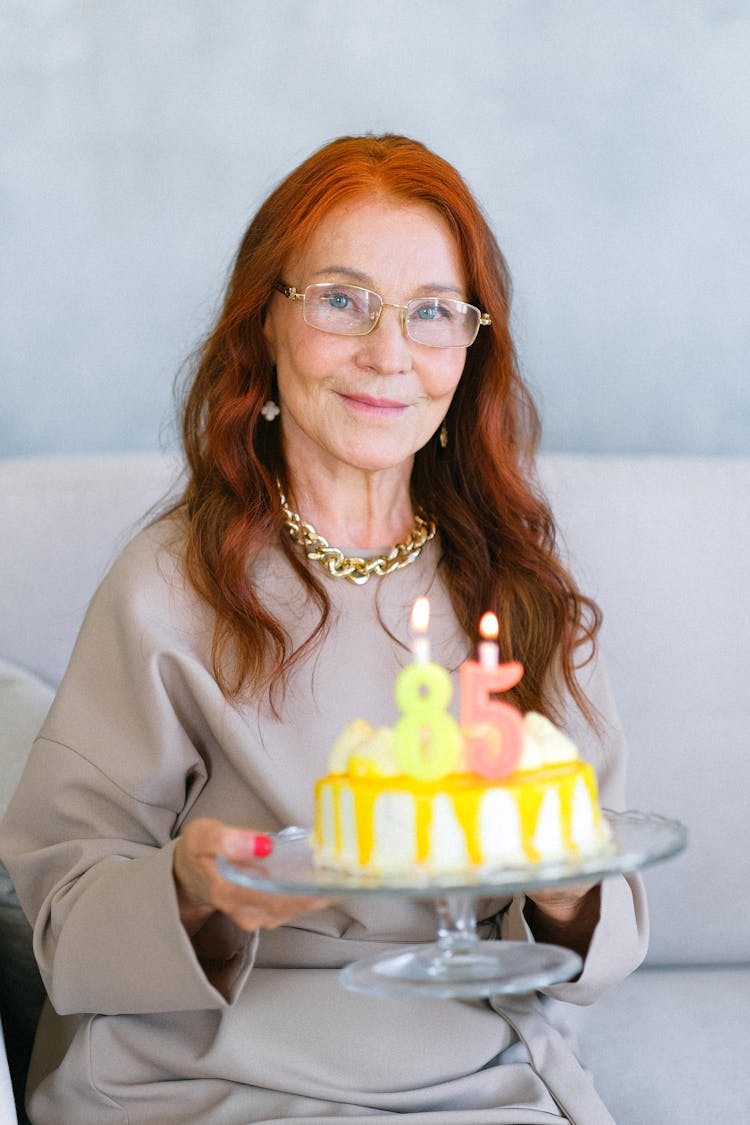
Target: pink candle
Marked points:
493	730
488	648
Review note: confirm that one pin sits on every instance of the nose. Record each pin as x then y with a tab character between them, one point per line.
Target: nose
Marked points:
386	349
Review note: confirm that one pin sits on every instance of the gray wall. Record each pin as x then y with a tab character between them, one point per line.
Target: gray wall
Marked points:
609	142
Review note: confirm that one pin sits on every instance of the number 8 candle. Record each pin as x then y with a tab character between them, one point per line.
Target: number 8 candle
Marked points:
493	729
427	740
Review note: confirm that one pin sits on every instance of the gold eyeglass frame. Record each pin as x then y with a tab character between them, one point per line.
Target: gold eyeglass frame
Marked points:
294	294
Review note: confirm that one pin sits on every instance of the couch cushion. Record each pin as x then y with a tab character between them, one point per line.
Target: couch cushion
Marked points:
21	990
670	1045
24	702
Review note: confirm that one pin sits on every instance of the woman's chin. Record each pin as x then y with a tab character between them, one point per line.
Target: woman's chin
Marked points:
378	460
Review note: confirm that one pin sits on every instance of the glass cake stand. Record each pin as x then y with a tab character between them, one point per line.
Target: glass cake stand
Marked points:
459	963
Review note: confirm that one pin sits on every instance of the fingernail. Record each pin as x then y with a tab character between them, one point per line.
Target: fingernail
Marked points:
262	846
247	845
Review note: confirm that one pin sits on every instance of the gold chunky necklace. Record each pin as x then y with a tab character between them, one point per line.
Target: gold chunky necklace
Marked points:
357	570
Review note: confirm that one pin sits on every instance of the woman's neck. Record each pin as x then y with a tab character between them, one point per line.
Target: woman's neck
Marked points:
368	511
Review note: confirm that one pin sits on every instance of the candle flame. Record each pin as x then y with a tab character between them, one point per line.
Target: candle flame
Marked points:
420	615
489	627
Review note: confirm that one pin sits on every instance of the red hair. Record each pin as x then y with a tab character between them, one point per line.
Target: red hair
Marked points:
497	534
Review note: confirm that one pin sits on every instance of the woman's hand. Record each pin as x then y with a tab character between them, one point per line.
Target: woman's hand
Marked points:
201	890
565	915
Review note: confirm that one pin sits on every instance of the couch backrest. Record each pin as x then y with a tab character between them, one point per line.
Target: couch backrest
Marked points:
662	543
664	546
62	522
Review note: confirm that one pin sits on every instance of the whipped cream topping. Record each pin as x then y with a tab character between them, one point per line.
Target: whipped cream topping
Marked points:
544	744
362	750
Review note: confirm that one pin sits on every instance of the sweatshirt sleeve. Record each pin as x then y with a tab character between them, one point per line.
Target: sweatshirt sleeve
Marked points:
620	939
89	835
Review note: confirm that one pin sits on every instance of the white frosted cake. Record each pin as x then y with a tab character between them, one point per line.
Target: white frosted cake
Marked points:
370	816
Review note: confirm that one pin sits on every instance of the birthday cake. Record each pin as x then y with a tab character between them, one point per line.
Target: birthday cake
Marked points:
429	795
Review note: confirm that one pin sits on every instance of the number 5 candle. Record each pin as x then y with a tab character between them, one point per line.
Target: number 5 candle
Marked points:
493	730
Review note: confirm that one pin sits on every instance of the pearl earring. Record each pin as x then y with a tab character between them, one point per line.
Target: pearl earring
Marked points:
270	410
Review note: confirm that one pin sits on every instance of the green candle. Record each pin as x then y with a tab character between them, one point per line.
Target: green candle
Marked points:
427	739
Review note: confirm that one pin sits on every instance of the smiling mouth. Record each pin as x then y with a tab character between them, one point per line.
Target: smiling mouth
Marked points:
368	402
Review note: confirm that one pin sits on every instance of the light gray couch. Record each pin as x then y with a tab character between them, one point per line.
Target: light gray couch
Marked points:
664	545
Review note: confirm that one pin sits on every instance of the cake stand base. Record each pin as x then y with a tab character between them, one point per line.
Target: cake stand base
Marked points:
482	969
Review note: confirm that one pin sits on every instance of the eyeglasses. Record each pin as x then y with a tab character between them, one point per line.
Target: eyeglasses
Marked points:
349	310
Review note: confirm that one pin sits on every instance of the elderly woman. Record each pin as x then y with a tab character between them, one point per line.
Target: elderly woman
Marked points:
361	374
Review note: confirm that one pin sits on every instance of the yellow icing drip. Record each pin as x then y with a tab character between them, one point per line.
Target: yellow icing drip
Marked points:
364	806
465	792
423	821
466	808
338	828
566	813
529	798
589	781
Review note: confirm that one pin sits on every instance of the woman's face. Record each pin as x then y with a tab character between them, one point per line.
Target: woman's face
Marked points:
367	402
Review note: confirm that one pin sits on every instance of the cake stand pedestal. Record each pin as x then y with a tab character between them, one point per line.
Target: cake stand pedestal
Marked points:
459	964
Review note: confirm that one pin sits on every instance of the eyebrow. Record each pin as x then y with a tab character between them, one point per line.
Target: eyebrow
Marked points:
367	282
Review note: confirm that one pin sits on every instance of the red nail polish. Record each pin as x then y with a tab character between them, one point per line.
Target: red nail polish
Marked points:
262	846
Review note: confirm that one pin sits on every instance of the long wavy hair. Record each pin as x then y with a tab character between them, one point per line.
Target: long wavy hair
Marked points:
497	534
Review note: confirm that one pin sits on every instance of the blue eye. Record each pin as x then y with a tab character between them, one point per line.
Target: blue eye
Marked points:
345	299
338	300
433	310
428	312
